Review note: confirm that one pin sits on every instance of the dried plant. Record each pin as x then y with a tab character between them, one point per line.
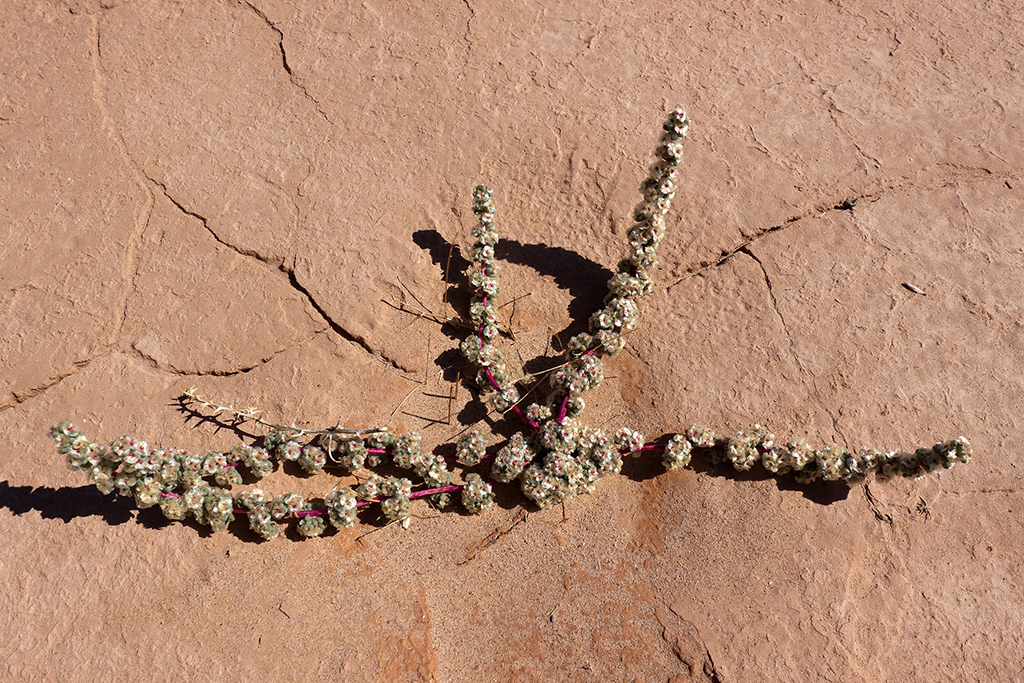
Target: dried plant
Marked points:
554	455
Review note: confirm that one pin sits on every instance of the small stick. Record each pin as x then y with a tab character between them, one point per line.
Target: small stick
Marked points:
513	301
422	305
406	308
512	315
426	363
522	398
447	264
253	415
403	401
453	395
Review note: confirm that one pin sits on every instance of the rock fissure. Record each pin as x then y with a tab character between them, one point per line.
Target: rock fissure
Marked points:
293	281
847	203
251	253
129	269
338	328
284	60
775	305
15	398
171	369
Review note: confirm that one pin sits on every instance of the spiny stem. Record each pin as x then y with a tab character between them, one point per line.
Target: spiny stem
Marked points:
253	415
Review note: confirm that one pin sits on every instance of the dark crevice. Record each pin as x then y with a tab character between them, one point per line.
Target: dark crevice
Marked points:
170	369
876	509
847	203
835	425
771	292
469	20
726	255
15	398
206	224
341	331
292	280
775	304
710	670
284	59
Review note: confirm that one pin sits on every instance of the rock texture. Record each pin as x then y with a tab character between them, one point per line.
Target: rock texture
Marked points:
233	195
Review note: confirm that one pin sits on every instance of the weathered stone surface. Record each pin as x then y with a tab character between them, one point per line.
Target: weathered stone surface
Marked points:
235	196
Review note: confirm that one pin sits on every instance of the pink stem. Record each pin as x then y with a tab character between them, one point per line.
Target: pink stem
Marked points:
645	447
563	409
450	488
494	382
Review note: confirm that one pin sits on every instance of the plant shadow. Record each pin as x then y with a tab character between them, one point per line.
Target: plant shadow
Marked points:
585	280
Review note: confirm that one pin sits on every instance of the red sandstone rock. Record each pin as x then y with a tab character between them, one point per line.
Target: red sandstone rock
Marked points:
231	196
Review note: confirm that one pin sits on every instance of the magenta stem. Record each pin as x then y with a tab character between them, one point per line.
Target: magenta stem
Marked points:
645	447
494	382
515	409
450	488
562	410
416	494
490	378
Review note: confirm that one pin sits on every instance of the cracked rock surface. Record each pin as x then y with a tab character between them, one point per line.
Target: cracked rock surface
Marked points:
240	196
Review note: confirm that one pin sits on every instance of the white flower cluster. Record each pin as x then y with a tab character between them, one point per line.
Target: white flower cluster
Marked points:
677	452
341	507
829	463
356	453
258	509
629	441
512	459
483	311
178	481
941	456
470	449
477	495
562	458
632	281
571	469
396	502
152	475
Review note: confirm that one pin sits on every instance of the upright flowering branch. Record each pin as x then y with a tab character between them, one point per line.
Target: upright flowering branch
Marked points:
483	288
556	458
619	316
561	457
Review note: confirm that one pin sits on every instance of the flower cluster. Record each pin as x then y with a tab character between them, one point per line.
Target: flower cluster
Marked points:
807	464
471	448
477	494
632	279
562	458
554	458
571	468
179	481
483	312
